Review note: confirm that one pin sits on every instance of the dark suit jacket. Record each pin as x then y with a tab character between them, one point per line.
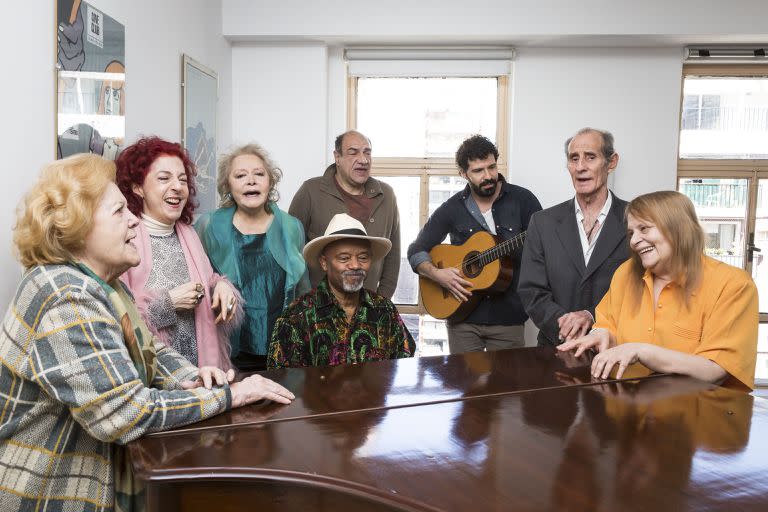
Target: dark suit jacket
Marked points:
553	278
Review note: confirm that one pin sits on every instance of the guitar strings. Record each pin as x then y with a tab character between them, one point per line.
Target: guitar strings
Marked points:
500	248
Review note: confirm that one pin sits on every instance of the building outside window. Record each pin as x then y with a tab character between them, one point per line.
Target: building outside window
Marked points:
723	169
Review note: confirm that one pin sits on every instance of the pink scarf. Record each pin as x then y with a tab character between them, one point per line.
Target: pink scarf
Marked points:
212	342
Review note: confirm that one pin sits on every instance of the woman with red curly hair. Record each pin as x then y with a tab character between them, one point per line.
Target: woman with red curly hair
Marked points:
183	301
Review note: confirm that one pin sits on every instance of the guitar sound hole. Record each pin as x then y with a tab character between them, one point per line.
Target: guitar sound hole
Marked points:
471	266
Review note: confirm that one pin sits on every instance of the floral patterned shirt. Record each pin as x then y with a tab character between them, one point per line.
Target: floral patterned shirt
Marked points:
314	331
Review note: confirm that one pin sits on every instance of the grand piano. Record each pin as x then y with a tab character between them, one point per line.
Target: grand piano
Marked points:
521	429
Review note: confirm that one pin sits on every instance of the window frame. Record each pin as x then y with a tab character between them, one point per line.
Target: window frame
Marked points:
751	169
425	167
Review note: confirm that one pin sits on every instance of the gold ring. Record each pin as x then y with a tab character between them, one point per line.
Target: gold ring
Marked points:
198	287
199	297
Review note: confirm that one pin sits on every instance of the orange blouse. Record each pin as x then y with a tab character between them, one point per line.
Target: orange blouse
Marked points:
720	322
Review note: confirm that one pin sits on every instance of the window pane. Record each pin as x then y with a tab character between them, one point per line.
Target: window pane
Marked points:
759	261
430	334
725	117
440	189
761	370
425	117
721	205
407	191
691	112
434	336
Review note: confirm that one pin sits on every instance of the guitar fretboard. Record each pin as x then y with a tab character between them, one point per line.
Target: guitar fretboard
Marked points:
505	248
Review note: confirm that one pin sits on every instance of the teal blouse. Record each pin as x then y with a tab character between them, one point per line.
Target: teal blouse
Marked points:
227	249
263	288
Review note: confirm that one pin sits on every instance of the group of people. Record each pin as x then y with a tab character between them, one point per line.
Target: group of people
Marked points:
629	280
219	291
132	318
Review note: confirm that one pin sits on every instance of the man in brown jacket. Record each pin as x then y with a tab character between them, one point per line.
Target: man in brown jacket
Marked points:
347	187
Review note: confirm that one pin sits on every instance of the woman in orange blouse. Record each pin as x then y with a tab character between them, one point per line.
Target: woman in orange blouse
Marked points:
670	307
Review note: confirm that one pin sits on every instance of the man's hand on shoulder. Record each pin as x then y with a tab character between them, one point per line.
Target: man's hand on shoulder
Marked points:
449	278
575	324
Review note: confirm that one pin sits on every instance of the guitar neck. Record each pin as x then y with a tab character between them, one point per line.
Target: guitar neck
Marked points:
505	248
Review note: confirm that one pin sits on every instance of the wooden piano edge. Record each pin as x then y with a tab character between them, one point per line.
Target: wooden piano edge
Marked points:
313	480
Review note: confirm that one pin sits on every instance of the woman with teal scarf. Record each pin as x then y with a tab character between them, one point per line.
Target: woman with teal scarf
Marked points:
257	246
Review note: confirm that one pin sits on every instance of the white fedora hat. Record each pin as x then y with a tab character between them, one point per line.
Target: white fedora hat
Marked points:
341	227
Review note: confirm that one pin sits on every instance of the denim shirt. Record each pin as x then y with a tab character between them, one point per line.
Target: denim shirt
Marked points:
460	218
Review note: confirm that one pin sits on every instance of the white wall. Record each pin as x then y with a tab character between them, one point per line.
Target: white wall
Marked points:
523	21
157	33
280	98
632	92
27	131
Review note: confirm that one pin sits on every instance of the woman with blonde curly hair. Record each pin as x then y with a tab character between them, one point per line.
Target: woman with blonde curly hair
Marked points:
82	374
672	308
257	246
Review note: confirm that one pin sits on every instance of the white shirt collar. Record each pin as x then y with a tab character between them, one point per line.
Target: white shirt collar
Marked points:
603	213
587	246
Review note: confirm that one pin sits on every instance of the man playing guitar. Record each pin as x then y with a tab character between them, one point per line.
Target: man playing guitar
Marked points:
488	203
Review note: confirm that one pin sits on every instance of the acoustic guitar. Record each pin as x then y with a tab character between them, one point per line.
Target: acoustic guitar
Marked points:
482	260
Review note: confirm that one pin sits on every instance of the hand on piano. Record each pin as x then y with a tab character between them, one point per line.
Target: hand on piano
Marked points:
597	339
207	375
255	388
623	355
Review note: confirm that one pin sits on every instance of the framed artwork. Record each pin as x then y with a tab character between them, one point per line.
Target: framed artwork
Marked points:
200	86
90	81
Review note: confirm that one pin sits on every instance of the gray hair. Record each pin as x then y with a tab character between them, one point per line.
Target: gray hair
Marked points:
225	167
607	137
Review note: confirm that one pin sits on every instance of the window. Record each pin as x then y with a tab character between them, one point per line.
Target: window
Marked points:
701	111
724	117
723	169
416	123
721	205
425	117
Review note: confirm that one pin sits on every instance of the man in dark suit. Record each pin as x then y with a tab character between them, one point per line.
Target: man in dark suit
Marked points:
573	248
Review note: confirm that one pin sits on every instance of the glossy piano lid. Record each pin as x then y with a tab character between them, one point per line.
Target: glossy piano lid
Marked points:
665	443
413	381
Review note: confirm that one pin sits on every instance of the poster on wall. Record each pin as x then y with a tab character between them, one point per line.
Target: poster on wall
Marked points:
200	86
90	81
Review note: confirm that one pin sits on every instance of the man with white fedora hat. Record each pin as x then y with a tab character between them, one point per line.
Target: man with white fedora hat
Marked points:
340	322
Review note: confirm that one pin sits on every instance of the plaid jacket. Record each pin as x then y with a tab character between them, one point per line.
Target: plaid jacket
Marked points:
69	394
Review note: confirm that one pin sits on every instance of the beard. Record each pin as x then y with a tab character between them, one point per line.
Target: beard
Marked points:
479	190
356	280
